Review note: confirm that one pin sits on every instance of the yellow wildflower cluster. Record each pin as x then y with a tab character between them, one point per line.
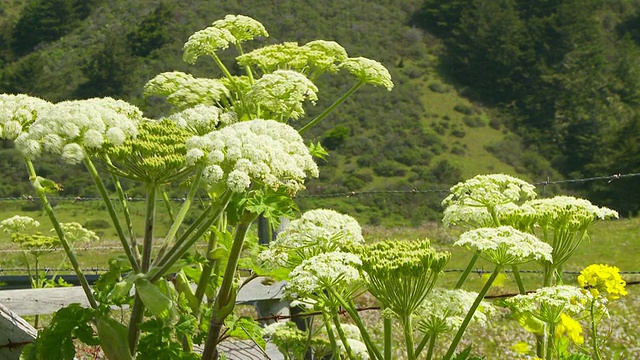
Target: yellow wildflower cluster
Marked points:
569	327
599	278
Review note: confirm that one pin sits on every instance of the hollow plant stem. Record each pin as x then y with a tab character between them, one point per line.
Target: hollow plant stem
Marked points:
40	191
127	214
112	214
191	235
408	336
467	270
422	344
388	338
137	311
472	310
207	268
349	307
341	334
330	334
225	300
516	275
432	346
594	333
179	218
328	110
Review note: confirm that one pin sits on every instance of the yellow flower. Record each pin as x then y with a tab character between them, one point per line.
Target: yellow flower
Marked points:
601	279
521	348
571	328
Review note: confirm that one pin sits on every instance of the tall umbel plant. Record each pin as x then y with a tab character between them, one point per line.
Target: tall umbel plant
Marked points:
228	138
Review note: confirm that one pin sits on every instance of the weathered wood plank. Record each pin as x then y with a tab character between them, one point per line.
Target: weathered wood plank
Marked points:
47	301
15	334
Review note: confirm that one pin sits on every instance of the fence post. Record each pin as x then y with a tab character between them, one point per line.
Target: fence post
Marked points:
15	334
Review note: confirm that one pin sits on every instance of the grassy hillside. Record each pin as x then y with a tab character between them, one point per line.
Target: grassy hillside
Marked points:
422	135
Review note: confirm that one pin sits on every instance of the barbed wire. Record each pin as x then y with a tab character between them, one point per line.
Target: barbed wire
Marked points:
349	194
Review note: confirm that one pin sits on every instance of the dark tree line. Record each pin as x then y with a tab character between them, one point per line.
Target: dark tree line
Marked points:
567	70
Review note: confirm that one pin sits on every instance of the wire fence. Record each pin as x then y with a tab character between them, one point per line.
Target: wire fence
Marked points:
348	194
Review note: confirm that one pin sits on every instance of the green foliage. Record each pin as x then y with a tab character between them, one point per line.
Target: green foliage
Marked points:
336	137
152	32
56	340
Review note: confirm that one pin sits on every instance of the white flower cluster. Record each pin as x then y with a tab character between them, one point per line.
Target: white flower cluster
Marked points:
184	91
242	27
282	93
315	232
312	58
568	210
335	269
73	231
202	119
505	245
18	223
444	310
548	303
263	151
490	191
368	71
73	128
18	112
206	42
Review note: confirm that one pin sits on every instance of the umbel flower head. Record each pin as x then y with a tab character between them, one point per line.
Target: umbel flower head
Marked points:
521	217
368	71
400	274
18	223
242	27
258	151
156	156
602	281
548	303
18	112
505	245
336	270
282	94
206	42
202	119
564	221
77	128
490	191
312	59
316	231
185	91
444	310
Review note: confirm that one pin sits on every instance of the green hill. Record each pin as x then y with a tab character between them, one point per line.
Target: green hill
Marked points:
423	135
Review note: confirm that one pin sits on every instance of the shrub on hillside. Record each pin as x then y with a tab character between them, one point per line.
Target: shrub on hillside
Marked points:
389	168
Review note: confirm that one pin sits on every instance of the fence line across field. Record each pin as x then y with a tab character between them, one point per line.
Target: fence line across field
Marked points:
349	194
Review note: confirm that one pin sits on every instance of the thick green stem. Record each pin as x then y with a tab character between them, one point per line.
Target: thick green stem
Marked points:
167	205
40	191
422	343
127	213
388	338
181	214
205	276
549	342
466	272
472	310
330	334
594	333
223	304
137	311
184	243
408	336
516	275
328	110
341	334
112	214
432	346
350	309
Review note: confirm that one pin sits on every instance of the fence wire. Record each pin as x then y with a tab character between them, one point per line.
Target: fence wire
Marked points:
348	194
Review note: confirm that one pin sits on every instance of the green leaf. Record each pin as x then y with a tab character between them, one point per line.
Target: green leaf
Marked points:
113	338
316	150
123	288
272	204
56	340
153	299
245	328
49	186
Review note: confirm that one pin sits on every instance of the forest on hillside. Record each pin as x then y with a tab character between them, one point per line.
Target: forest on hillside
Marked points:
559	78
